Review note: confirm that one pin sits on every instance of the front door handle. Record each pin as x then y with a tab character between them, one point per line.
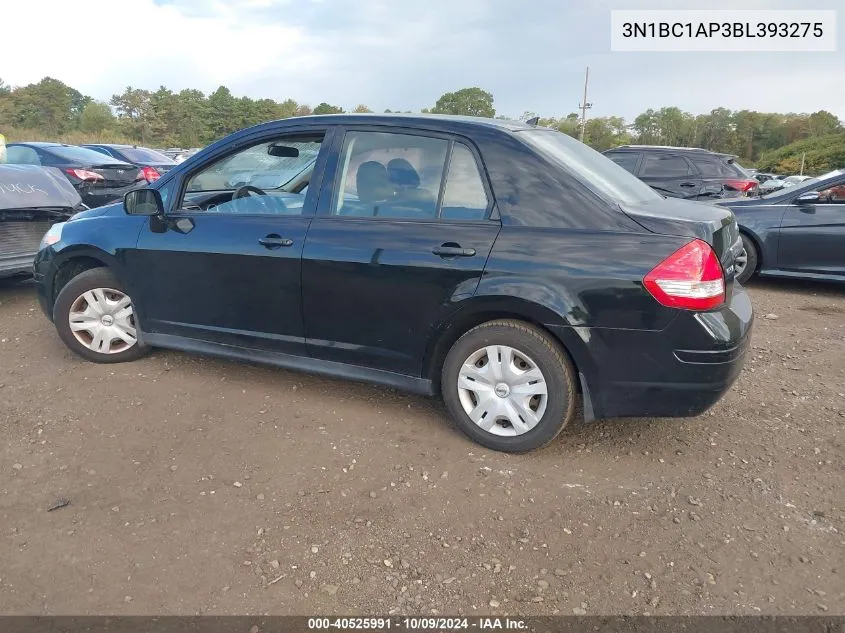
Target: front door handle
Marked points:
453	250
688	184
274	241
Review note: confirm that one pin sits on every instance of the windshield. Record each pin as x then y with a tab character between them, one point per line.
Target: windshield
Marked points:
600	172
810	181
144	155
74	154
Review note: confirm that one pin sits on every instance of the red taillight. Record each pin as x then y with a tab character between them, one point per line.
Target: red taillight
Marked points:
741	185
150	174
85	174
690	278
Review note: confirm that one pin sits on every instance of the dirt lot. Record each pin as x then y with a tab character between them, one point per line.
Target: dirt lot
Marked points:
206	486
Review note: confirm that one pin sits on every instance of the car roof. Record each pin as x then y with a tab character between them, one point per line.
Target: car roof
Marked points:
40	144
401	118
114	145
671	148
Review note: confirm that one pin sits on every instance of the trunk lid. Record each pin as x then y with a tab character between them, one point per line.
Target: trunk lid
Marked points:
117	174
715	225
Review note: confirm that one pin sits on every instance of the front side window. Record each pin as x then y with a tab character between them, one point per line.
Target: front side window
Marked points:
390	175
267	178
658	166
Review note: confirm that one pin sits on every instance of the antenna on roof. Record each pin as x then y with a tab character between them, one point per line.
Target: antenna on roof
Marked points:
533	121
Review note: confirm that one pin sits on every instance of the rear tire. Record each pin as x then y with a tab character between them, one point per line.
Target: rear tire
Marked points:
95	318
751	259
509	386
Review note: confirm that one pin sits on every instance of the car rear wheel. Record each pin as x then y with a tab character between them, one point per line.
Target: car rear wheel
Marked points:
509	386
96	319
746	262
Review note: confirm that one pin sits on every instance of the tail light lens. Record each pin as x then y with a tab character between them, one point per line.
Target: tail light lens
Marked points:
150	174
691	278
744	186
85	174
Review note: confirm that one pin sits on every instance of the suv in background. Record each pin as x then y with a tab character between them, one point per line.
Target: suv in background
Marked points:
685	172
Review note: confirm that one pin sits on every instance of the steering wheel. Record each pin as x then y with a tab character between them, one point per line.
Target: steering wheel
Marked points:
246	191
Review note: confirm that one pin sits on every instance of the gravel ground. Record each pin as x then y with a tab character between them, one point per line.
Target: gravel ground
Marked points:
202	486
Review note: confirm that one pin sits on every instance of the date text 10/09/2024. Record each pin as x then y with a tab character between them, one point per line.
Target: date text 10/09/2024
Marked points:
723	29
417	624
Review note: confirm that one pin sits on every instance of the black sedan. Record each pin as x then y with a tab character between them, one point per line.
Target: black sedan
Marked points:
32	199
151	163
99	179
506	267
798	231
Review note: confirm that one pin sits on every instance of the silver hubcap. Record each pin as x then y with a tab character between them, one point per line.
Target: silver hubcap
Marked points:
502	390
103	321
741	262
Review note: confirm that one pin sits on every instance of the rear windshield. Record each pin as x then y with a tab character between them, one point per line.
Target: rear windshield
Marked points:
608	178
74	154
144	155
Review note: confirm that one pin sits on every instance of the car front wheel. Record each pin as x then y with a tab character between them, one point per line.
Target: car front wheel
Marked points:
96	319
509	386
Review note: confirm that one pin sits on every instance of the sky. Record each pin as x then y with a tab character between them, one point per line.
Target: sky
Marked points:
403	54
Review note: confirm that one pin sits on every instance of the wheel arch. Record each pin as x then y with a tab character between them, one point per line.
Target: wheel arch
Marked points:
757	242
74	261
477	310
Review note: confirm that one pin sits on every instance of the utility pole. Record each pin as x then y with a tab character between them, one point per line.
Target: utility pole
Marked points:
803	156
584	105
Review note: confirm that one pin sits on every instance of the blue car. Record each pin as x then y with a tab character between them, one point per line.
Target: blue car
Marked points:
508	268
797	231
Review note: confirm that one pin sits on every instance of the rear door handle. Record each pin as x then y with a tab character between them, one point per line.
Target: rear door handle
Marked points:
453	251
274	241
688	184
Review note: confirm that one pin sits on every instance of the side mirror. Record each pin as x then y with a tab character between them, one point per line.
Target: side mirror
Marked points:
143	202
807	198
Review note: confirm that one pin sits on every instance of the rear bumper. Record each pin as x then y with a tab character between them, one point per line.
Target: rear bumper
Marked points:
680	371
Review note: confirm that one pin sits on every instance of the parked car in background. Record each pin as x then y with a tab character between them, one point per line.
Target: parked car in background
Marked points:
685	172
794	180
798	231
763	177
770	186
151	163
507	267
98	178
32	199
180	155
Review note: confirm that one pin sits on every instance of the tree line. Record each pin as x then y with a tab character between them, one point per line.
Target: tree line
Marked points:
52	110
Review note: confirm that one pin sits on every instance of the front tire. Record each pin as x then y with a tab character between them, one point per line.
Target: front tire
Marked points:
509	386
95	318
749	259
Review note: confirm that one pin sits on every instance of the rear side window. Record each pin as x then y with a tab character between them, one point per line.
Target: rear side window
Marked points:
708	168
732	170
660	166
21	155
464	197
628	161
391	175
